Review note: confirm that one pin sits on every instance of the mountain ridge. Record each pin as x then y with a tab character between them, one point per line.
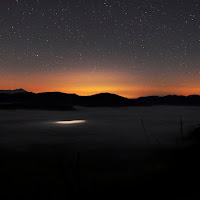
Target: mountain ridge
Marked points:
22	97
20	90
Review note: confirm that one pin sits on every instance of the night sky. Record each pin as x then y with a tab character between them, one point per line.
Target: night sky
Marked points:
129	47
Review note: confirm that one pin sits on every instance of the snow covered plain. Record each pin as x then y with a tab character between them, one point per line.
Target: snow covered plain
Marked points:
103	127
116	145
114	134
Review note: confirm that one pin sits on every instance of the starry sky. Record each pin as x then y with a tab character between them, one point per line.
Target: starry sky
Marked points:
129	47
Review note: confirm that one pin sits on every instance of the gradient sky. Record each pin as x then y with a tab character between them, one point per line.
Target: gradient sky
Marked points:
129	47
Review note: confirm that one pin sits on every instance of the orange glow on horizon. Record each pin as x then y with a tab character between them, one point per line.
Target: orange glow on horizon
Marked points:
123	84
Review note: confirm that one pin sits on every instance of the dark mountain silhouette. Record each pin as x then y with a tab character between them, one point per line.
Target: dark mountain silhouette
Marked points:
13	91
63	101
102	99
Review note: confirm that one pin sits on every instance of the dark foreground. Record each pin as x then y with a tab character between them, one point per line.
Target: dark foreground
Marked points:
46	172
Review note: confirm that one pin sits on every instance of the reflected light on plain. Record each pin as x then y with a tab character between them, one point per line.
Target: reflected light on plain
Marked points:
71	122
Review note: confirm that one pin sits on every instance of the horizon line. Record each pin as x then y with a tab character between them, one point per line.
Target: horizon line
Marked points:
153	95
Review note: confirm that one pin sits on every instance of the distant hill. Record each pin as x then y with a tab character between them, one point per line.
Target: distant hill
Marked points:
20	98
103	99
13	91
